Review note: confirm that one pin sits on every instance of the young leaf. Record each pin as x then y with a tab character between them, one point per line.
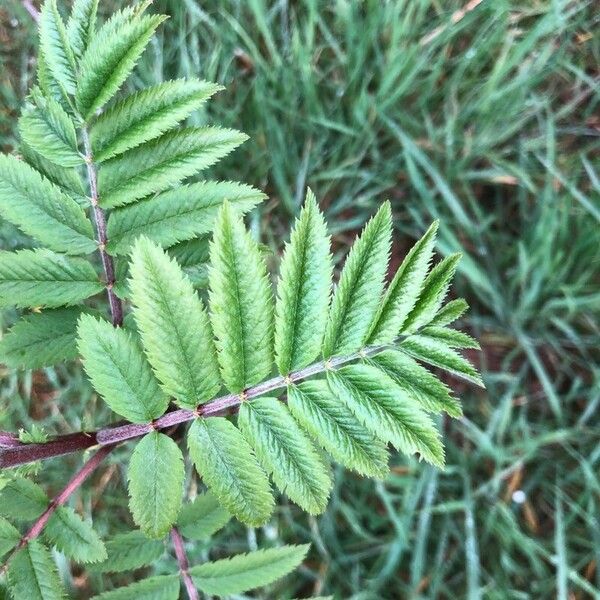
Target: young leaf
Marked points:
179	214
22	499
41	339
432	295
180	350
9	536
147	114
41	210
128	551
358	293
48	129
386	411
200	519
286	453
417	382
336	429
119	371
80	26
240	304
32	574
163	587
303	291
228	466
74	537
155	477
42	278
247	571
439	355
55	46
111	56
450	337
450	312
403	291
163	162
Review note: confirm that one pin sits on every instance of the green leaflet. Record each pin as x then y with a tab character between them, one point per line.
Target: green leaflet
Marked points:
336	429
200	519
358	294
303	291
80	26
74	537
450	337
41	339
240	304
128	551
438	354
30	278
164	587
403	291
48	129
41	210
155	476
191	253
434	290
55	46
147	114
228	466
111	56
9	537
386	411
163	162
247	571
286	453
22	499
48	84
417	382
450	312
174	326
179	214
119	371
32	574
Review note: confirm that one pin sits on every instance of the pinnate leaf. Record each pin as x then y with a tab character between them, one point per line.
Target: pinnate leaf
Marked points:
228	466
80	26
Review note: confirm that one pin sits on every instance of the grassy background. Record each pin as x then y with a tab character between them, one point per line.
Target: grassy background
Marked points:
486	118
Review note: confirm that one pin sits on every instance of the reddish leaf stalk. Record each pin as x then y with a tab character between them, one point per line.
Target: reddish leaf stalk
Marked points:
184	564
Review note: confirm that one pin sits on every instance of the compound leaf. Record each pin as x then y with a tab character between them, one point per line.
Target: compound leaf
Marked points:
303	291
240	304
163	587
119	371
156	475
286	453
247	571
174	326
228	466
200	519
80	26
128	551
358	294
336	428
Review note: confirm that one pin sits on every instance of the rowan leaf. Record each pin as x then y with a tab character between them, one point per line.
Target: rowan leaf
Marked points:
180	350
179	214
147	114
228	466
42	278
386	411
240	304
191	253
303	291
403	291
41	210
81	24
119	371
451	337
450	312
155	476
286	453
247	571
163	162
162	587
9	536
128	551
22	500
336	428
358	294
200	519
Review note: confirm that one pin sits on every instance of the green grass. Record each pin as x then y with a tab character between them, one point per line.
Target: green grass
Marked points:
491	126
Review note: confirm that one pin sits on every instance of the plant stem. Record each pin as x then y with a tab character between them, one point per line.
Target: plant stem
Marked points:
116	306
11	456
184	565
76	481
31	9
